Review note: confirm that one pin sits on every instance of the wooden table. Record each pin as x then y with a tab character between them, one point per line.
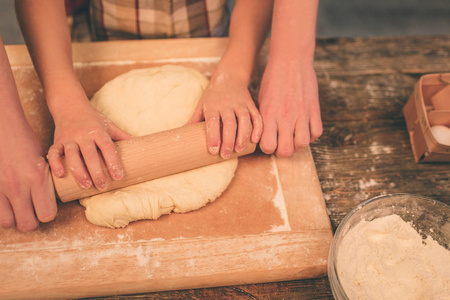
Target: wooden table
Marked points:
365	149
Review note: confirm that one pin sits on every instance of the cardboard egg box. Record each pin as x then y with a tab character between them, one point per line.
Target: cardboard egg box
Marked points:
429	105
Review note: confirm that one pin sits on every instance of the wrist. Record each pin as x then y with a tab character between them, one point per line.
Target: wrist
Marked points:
291	61
226	74
231	69
17	134
66	98
302	54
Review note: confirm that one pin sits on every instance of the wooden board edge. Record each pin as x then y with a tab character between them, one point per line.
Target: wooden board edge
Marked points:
218	262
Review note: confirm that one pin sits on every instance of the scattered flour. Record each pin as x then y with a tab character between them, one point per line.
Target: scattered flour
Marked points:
364	184
387	259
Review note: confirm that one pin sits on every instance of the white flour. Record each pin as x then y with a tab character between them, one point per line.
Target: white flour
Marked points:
387	259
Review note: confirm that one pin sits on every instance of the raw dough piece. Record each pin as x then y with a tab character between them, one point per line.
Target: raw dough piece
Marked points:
146	101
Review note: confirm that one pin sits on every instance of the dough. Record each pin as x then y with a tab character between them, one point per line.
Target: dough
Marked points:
387	258
146	101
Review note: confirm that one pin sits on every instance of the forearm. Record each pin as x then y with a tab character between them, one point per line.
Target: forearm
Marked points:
293	31
249	25
11	114
46	33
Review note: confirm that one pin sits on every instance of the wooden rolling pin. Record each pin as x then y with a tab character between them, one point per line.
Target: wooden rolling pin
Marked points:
149	157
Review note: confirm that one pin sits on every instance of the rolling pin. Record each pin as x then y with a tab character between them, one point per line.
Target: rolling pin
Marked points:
149	157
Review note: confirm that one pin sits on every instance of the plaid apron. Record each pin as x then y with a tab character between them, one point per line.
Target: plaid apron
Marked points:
148	19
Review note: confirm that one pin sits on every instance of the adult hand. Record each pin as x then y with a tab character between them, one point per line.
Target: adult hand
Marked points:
289	105
26	189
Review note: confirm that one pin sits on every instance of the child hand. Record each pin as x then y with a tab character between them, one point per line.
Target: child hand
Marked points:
230	114
289	105
79	133
26	189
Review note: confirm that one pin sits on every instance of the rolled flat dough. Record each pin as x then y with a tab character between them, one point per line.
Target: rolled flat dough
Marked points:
145	101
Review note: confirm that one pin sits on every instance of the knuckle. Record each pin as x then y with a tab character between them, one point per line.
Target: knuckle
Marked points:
212	118
108	146
27	225
7	221
244	119
300	143
284	151
229	123
90	153
13	186
71	147
53	153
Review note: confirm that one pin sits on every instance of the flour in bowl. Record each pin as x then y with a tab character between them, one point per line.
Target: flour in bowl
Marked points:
386	258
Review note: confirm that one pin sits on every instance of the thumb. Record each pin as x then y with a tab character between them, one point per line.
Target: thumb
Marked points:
198	115
116	133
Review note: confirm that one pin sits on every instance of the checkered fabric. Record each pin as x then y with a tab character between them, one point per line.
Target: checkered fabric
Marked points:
149	19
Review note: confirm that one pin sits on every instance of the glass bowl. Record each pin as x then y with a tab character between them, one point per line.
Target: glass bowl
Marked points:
429	217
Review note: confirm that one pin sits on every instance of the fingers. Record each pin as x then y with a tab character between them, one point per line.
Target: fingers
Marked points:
315	125
229	130
302	135
23	209
76	165
244	130
92	160
213	132
116	133
229	127
283	140
54	157
85	161
109	152
269	138
285	147
257	122
43	196
198	114
6	213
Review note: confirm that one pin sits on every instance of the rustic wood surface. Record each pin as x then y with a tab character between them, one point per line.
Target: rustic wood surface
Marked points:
365	149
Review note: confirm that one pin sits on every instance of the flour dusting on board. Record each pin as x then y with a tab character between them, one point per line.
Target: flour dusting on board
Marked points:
278	201
213	60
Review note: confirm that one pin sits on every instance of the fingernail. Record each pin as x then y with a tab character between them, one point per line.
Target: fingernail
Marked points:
214	150
59	173
226	155
240	145
118	175
86	184
101	185
255	138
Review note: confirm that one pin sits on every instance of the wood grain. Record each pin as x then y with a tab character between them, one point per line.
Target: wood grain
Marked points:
363	83
269	225
363	86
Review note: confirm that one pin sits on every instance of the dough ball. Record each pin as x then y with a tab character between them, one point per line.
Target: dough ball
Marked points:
146	101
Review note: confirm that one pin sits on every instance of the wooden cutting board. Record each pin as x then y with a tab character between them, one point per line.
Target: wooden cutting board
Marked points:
271	223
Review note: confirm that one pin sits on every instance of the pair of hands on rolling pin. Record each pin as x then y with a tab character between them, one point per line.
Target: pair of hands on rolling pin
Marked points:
288	116
231	118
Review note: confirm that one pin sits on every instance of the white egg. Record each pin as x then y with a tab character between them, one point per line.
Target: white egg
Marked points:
441	134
